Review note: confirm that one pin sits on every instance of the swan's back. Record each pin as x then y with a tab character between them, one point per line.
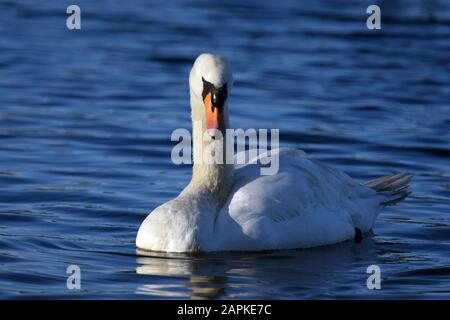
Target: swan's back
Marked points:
305	204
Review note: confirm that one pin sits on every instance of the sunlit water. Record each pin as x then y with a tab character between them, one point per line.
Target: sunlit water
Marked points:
86	118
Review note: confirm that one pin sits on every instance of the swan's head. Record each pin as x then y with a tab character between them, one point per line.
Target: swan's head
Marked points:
210	82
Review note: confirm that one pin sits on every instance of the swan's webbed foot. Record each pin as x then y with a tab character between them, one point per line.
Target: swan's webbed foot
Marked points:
358	235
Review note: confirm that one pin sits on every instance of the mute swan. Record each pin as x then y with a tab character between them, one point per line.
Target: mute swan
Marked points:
227	207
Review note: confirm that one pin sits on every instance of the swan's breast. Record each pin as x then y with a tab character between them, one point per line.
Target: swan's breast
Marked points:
184	224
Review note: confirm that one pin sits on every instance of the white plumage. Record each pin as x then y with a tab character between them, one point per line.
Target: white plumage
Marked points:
228	207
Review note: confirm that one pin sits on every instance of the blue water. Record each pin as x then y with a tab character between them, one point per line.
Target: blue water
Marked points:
86	118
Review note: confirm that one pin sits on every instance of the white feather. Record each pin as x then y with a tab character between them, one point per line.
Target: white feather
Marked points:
228	207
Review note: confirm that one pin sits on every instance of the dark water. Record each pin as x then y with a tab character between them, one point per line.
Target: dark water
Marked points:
86	116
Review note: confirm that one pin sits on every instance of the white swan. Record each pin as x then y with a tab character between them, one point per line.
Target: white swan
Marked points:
224	207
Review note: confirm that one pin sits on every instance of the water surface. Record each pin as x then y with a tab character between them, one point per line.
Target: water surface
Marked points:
86	118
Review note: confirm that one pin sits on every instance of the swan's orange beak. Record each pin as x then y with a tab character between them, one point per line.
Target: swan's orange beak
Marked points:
214	114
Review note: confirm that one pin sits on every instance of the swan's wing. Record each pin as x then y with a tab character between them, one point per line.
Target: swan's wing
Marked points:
299	184
306	202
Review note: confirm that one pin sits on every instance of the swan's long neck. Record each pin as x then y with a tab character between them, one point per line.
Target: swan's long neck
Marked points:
211	176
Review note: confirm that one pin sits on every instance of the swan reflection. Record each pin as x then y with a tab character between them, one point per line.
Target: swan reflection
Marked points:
232	274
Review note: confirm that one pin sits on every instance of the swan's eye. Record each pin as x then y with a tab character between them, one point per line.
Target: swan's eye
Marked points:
214	98
218	95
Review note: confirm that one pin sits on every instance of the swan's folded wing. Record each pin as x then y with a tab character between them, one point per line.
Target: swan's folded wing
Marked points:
299	184
305	204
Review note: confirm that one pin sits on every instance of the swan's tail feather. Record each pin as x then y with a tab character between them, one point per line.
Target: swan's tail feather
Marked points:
394	187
